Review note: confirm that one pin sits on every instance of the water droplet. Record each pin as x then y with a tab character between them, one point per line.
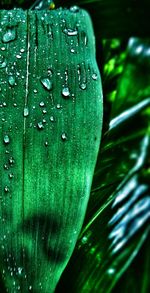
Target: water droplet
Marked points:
84	239
9	36
18	56
83	86
20	271
44	111
70	32
72	50
11	160
3	48
51	118
6	139
94	76
64	136
6	189
42	104
46	143
40	125
3	63
11	80
74	9
65	92
30	287
35	91
6	167
46	82
25	112
58	106
22	50
111	271
11	175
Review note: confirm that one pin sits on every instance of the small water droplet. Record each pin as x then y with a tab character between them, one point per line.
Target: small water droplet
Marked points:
65	92
35	91
58	106
22	50
64	136
40	125
20	271
111	271
72	50
11	160
74	9
30	288
11	80
25	112
46	82
94	76
3	63
6	167
51	118
42	104
6	139
18	56
46	143
6	189
70	32
83	86
11	175
9	36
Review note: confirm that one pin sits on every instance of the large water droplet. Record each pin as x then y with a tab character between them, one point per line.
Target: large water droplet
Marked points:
70	32
46	82
11	80
6	139
9	36
65	92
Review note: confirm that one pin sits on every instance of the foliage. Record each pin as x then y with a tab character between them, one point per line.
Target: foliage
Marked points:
112	253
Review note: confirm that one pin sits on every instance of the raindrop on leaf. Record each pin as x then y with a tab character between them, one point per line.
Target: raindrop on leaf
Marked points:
6	139
46	82
65	92
9	36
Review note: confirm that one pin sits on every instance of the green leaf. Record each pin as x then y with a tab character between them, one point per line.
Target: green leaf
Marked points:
50	128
